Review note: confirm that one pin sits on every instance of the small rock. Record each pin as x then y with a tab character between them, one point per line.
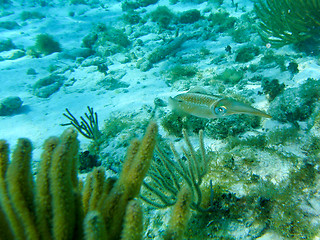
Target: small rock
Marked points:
158	102
47	86
9	25
96	61
75	53
13	54
10	105
31	71
6	45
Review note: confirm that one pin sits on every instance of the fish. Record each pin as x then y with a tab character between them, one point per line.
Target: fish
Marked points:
201	103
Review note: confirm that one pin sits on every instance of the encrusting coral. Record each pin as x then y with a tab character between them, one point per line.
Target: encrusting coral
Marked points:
55	206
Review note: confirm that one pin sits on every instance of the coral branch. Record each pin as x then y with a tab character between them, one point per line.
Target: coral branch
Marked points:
168	175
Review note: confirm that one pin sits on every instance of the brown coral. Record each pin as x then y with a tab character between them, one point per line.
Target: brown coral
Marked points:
54	208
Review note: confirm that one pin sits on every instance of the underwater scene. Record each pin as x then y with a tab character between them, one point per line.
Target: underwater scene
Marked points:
159	119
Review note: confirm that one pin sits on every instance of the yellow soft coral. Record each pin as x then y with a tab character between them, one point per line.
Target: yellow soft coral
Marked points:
54	207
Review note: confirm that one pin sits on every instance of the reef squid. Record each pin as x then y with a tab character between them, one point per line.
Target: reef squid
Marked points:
199	102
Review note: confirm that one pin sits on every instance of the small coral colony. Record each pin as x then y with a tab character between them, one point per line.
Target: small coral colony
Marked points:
237	151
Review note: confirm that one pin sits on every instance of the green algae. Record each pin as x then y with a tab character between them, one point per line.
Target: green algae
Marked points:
190	16
6	45
26	15
222	21
106	40
233	125
272	88
179	72
270	205
163	16
296	104
271	60
231	76
247	53
174	123
46	45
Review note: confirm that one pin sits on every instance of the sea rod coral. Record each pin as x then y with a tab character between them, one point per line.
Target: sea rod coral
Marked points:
169	176
288	21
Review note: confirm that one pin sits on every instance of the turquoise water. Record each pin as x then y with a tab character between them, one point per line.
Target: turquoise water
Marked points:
125	59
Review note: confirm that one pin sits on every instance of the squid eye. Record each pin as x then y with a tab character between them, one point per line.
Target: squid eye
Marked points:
220	110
